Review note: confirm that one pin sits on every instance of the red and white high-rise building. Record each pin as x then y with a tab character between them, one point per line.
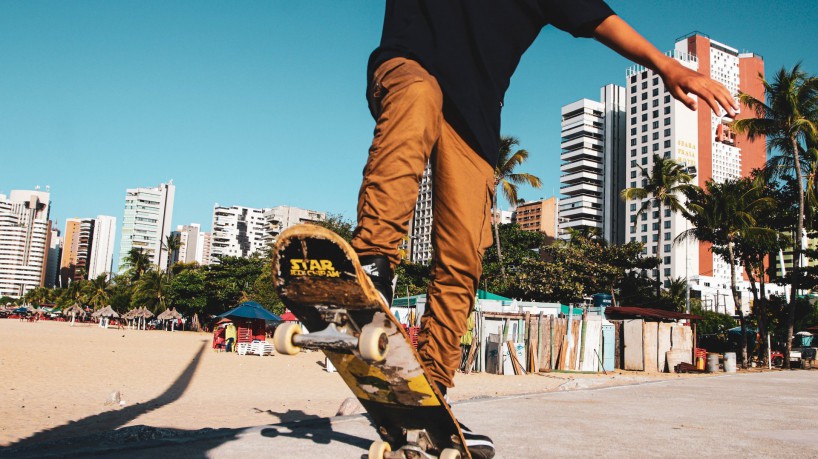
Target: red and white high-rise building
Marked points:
700	140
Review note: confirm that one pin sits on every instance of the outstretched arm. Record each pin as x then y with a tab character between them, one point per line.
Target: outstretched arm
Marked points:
680	81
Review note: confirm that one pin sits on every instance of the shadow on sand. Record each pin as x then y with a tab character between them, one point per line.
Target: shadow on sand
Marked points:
100	435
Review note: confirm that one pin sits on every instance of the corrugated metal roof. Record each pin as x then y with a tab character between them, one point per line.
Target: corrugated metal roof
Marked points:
648	313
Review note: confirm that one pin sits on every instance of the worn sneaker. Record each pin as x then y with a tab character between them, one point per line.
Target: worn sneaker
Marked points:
380	271
479	446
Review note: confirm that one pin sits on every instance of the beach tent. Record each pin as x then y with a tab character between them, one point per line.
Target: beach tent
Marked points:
251	320
250	310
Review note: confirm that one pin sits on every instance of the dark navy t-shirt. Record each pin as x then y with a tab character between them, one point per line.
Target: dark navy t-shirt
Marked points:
473	47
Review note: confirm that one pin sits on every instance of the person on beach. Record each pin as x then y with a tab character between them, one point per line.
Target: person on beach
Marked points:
435	87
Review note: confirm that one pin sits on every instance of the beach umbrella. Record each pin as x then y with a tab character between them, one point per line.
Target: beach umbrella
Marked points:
74	310
145	315
289	317
250	310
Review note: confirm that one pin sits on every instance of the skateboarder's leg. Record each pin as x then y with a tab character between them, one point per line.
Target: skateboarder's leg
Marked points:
463	184
408	107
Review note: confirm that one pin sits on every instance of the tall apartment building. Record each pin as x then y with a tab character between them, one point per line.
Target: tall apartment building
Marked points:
74	262
418	246
700	140
52	270
101	260
203	249
194	245
279	218
593	154
237	232
539	216
25	233
147	222
89	248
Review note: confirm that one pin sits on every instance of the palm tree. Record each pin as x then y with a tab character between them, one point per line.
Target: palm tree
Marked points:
788	120
661	188
97	291
722	213
172	243
505	176
151	290
138	262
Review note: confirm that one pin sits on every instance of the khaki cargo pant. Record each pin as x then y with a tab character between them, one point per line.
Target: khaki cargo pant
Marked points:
410	131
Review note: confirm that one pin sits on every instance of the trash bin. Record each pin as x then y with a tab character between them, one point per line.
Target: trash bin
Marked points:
713	362
729	362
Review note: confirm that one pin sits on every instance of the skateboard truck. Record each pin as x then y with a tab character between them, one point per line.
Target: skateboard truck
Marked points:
372	341
417	446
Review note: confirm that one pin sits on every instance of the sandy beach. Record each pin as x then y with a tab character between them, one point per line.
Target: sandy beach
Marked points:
56	380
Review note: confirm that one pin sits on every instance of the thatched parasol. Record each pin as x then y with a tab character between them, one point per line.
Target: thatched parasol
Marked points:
74	310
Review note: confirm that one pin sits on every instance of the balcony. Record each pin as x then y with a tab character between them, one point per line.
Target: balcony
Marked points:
582	164
579	212
587	177
582	188
584	153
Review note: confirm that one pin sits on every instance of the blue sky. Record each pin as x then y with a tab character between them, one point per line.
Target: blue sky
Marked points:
261	103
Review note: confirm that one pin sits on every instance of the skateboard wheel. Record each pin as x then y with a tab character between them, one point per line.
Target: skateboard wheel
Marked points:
283	339
373	343
450	453
378	449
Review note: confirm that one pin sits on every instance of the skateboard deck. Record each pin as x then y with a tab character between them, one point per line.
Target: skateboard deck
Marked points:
319	278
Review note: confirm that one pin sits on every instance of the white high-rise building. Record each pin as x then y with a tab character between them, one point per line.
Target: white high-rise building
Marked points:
195	244
147	222
702	142
203	248
25	232
593	155
279	218
419	244
101	260
237	232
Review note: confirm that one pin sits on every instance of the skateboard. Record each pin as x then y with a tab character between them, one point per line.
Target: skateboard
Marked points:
319	278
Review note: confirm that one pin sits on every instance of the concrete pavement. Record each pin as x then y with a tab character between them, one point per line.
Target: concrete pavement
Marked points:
771	414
